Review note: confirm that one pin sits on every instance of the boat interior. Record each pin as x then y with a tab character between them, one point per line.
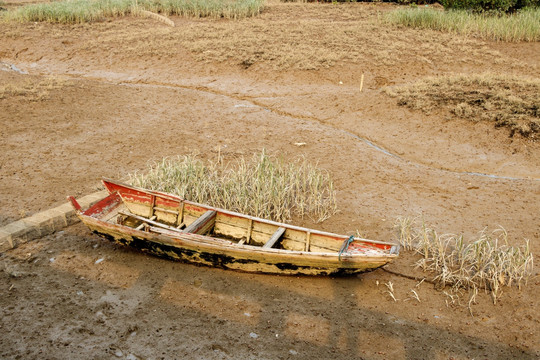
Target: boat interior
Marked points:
170	216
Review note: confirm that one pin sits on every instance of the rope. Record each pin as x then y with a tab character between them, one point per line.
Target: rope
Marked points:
345	246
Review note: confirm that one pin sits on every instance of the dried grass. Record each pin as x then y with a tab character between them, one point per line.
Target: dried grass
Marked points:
155	16
487	262
293	36
31	90
507	101
262	186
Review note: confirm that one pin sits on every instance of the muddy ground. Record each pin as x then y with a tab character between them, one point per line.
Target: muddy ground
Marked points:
95	104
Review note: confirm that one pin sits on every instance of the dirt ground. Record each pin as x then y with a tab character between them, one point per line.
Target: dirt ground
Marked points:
107	99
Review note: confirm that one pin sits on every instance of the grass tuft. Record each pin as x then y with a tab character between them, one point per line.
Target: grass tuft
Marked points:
523	25
262	186
485	263
507	101
82	11
32	90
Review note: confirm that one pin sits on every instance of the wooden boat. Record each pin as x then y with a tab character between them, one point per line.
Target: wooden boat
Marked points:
169	226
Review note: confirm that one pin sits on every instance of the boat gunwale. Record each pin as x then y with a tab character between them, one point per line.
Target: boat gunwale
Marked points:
209	242
244	216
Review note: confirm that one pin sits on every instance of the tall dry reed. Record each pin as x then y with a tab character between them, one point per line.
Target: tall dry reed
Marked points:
262	186
487	262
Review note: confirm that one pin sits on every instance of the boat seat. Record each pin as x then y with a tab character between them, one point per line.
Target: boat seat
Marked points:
274	239
203	224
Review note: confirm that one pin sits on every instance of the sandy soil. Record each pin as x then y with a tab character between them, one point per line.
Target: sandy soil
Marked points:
110	113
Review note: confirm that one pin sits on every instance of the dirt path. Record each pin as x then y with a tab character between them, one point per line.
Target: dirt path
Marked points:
111	115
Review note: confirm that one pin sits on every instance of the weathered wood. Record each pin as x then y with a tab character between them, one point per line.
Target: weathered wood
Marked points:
133	196
154	197
140	227
290	258
180	219
249	230
274	239
150	222
203	224
157	208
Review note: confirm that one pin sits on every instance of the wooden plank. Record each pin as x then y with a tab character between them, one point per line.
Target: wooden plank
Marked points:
308	240
291	239
157	208
180	219
152	207
272	241
225	220
150	222
206	240
249	230
203	224
140	227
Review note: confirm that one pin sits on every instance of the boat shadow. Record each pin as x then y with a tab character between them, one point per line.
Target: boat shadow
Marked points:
323	315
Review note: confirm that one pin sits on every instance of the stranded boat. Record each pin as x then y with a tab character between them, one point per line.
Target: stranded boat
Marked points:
169	226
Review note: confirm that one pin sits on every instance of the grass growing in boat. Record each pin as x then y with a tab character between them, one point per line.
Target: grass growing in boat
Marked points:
507	101
263	186
523	25
81	11
485	263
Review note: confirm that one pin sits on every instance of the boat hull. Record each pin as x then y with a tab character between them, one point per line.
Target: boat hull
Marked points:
233	257
237	241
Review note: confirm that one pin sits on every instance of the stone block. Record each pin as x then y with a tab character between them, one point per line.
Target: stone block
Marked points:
15	228
6	241
70	215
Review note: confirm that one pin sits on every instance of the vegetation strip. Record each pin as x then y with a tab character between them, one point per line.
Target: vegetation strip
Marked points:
43	223
505	100
524	25
81	11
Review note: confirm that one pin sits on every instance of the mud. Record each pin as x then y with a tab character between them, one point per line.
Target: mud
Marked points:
110	118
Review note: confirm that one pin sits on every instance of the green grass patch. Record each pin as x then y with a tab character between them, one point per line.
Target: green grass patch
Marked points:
523	25
507	101
263	186
81	11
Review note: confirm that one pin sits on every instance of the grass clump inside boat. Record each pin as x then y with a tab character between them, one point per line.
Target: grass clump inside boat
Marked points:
263	185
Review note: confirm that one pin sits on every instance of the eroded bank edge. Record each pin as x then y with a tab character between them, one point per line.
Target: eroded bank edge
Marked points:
44	223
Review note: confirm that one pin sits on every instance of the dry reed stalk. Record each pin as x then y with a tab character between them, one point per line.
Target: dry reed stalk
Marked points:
155	16
486	263
390	287
262	186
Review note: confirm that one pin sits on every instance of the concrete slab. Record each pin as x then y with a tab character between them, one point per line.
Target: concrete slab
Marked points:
44	223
